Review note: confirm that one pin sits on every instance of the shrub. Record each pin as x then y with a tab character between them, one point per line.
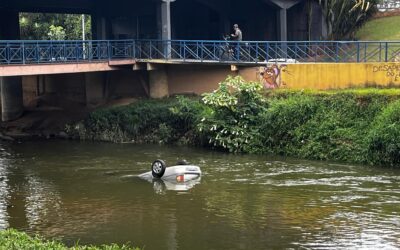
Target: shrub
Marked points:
154	121
233	120
281	120
384	137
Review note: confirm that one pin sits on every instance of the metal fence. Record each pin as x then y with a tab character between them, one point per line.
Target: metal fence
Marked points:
252	52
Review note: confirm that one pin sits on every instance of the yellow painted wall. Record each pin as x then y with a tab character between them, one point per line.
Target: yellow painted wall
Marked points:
338	75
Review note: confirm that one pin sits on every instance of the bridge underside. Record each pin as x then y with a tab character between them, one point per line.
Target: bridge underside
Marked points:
190	19
158	19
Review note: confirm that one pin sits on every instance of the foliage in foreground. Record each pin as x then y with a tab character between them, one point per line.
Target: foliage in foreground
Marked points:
360	125
14	240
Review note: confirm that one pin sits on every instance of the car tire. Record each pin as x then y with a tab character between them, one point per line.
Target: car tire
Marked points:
158	168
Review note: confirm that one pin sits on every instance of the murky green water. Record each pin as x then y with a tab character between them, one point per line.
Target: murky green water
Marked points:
89	192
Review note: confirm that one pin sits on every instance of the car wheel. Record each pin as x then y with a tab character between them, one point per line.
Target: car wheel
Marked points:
158	168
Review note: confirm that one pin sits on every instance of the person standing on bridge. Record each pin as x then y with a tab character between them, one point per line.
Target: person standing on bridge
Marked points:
237	35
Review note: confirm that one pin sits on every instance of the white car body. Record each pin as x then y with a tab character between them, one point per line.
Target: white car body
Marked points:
189	172
176	178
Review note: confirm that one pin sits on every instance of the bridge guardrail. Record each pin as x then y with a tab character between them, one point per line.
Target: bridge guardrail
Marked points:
246	52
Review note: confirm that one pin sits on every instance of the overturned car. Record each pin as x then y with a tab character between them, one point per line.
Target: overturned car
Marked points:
180	177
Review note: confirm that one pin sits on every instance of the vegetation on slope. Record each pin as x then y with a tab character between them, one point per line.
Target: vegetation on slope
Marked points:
360	126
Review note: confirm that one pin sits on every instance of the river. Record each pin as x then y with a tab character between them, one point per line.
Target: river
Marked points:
90	192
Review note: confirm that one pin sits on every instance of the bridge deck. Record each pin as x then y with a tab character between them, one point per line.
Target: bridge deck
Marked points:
33	57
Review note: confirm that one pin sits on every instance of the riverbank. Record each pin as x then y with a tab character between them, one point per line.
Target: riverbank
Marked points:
14	240
357	126
46	118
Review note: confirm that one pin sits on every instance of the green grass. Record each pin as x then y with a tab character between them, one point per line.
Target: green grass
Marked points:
14	240
380	29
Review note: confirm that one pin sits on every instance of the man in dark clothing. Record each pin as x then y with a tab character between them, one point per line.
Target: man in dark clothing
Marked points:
237	35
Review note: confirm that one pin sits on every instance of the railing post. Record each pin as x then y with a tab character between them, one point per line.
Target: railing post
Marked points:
64	51
8	53
267	51
51	51
197	49
133	49
214	50
365	51
37	52
180	49
202	51
23	52
257	59
358	51
238	51
90	47
337	52
76	51
184	50
109	50
386	51
151	50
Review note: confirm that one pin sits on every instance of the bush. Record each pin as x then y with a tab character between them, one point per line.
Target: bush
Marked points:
234	120
384	137
282	119
321	126
344	125
153	121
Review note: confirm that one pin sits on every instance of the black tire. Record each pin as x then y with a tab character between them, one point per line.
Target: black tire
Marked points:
158	168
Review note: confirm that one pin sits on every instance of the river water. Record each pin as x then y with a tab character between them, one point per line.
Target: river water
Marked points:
90	192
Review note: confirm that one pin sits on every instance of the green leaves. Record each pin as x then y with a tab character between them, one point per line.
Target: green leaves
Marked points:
361	125
14	240
234	121
345	17
42	26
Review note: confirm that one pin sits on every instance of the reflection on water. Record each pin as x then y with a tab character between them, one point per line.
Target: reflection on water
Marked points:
90	192
4	155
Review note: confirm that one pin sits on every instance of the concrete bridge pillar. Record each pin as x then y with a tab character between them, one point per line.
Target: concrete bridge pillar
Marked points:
166	19
282	21
50	84
165	22
283	5
95	88
101	23
11	87
158	81
11	98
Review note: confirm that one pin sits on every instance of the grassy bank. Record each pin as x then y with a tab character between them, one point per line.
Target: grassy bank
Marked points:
14	240
360	126
380	29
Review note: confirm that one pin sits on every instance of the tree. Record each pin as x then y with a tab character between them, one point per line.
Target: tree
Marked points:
36	26
345	17
56	33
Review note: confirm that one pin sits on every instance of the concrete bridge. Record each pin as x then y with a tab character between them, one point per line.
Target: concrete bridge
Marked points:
156	68
122	49
152	48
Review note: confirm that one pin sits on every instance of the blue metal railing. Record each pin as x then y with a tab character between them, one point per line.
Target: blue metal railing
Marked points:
251	52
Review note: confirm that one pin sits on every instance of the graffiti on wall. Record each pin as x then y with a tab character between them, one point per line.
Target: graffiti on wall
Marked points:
390	70
271	75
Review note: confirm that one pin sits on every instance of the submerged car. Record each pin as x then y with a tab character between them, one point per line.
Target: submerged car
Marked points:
180	177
